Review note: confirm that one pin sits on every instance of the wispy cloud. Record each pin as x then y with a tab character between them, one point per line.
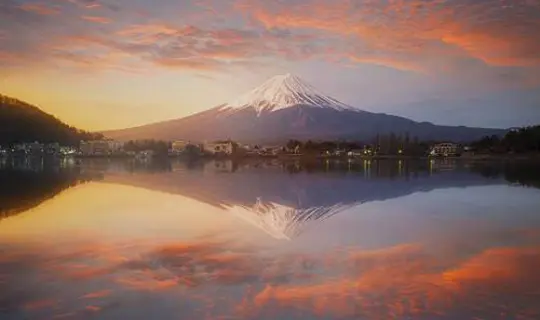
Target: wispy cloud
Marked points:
422	37
97	19
496	33
40	8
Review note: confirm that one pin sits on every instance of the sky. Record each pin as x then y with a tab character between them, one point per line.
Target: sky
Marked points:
107	64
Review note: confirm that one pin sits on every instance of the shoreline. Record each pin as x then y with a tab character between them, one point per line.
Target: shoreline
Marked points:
301	157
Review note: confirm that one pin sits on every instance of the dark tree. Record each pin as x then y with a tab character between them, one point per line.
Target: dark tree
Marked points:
21	122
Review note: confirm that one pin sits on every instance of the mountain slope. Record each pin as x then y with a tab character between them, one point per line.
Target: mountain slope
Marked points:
285	107
23	122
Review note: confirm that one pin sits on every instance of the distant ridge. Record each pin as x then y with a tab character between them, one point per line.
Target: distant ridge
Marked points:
287	107
23	122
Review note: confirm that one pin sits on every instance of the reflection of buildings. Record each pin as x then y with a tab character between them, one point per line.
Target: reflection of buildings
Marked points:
219	166
443	164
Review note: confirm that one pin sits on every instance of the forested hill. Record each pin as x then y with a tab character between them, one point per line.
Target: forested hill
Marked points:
23	122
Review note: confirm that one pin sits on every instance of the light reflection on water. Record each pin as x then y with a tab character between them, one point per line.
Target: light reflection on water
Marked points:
269	240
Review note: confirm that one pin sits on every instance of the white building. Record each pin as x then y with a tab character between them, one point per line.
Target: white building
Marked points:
179	146
52	148
101	147
66	151
116	146
445	149
219	147
29	148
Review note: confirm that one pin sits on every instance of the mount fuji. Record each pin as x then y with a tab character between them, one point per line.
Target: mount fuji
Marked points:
286	107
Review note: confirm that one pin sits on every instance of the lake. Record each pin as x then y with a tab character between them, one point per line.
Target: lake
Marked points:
100	239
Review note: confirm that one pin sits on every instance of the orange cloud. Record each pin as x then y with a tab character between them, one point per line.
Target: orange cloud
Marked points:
493	33
93	308
97	19
402	281
145	29
395	63
405	281
39	8
511	268
92	4
148	283
494	49
98	294
40	304
187	63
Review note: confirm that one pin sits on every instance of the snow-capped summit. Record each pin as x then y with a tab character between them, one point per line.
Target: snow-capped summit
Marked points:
284	91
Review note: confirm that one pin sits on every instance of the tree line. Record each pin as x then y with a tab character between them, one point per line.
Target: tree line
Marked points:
522	140
387	144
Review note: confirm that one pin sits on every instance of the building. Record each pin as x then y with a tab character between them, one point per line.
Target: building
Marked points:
219	147
29	148
52	148
357	152
445	149
94	148
66	151
270	150
116	147
101	147
178	147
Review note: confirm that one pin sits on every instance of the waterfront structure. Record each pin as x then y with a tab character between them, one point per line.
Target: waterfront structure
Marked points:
445	149
219	147
94	147
266	150
32	148
179	146
357	152
101	147
115	147
66	151
52	148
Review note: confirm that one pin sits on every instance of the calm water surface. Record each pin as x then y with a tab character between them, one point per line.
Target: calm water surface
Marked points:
266	240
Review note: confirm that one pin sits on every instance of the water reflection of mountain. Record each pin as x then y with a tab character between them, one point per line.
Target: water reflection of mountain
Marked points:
284	201
26	183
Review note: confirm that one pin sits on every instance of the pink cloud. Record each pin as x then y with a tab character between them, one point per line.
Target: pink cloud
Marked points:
96	19
97	294
414	28
40	304
40	9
